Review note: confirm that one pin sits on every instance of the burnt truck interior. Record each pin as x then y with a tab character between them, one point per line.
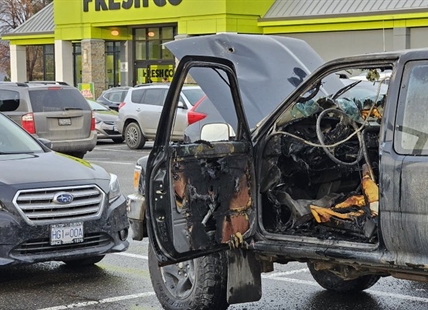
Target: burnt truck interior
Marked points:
318	175
321	161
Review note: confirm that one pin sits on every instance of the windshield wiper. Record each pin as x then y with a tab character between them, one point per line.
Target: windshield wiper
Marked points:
345	89
72	108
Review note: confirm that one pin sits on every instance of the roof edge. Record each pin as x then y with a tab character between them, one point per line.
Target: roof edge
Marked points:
348	15
31	20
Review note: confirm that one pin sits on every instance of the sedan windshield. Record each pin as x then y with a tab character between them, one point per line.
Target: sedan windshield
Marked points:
97	106
15	140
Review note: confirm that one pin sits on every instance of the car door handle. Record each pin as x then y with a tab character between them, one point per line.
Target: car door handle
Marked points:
138	110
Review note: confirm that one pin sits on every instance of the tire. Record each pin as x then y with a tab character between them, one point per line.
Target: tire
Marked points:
88	261
134	138
117	140
331	282
202	285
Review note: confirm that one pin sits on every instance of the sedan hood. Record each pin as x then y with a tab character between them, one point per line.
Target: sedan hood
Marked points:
269	68
36	169
106	116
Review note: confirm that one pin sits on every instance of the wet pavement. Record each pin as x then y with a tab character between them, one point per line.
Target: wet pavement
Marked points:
122	281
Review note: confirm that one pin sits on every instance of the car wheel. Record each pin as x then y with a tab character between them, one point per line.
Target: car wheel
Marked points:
195	284
84	261
332	282
134	137
117	140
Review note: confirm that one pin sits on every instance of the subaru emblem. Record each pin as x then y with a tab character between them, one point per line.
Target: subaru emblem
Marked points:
63	198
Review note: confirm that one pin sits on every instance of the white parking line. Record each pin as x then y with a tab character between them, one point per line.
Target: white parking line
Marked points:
101	149
102	301
284	273
132	255
374	292
110	162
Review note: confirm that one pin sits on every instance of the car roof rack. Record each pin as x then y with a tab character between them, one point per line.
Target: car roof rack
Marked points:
13	83
48	82
145	84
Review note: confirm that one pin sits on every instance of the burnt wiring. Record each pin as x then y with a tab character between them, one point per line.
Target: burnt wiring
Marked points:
357	130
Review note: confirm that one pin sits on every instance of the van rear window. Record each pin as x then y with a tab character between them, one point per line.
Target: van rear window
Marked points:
51	100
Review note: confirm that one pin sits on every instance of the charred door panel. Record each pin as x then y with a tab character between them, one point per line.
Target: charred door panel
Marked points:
213	201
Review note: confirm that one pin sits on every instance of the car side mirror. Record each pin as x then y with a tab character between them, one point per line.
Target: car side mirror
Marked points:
216	132
181	105
45	142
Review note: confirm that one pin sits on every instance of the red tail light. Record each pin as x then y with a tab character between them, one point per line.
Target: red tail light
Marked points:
192	116
92	121
27	122
121	105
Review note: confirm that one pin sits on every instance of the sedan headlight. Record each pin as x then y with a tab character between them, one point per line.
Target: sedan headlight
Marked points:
114	187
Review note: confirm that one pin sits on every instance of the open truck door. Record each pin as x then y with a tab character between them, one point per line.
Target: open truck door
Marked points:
201	195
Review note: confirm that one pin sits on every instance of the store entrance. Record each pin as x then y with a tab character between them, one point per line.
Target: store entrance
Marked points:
148	72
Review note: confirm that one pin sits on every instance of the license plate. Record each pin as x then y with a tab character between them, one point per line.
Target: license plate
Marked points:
64	121
66	233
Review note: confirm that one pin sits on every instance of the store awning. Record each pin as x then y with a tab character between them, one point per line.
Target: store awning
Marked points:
298	9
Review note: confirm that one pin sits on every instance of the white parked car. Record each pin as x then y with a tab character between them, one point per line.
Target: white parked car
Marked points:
140	112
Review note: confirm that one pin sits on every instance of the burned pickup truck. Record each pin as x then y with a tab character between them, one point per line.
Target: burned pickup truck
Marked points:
306	165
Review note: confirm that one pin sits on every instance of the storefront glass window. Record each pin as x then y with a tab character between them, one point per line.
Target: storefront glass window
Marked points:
49	68
168	33
153	34
148	43
113	64
140	50
48	63
153	62
77	63
49	49
140	34
40	62
166	54
154	49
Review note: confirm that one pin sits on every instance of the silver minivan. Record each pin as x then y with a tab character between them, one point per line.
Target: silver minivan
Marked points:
54	111
140	112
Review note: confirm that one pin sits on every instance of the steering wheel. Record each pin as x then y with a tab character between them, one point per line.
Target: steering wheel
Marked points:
344	121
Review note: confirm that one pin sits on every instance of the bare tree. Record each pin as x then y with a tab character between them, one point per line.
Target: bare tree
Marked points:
13	13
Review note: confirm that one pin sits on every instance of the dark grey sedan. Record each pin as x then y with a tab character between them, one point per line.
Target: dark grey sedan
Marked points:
54	206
